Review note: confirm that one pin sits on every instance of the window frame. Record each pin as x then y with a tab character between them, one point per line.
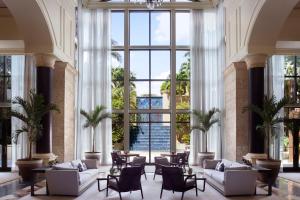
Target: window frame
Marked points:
127	48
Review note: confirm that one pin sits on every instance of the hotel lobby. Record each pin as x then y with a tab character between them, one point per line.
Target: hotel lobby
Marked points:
149	99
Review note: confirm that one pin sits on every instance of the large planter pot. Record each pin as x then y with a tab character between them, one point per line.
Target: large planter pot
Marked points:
25	167
93	155
273	165
205	156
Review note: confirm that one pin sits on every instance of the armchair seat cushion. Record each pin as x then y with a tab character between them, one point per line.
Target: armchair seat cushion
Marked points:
190	183
112	183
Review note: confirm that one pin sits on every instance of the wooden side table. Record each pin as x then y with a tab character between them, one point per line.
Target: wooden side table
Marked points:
41	170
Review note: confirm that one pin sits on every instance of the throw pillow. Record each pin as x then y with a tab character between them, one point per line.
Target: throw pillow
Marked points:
84	166
80	167
220	167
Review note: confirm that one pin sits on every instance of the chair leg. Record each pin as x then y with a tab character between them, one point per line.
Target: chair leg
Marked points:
142	193
145	176
196	188
182	195
106	191
120	195
154	176
161	191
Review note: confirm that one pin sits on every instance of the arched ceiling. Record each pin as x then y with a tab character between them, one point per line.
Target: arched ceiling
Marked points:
32	25
268	24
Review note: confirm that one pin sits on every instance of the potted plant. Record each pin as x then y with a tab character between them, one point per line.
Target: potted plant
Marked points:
31	115
270	119
204	121
93	119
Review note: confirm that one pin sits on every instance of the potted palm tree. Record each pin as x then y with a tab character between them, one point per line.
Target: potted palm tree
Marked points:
269	114
31	115
93	119
204	121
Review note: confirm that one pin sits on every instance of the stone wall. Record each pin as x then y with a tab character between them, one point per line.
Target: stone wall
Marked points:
63	132
236	138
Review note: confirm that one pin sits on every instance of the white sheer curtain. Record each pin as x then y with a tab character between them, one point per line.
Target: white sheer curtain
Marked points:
22	80
94	84
207	65
274	84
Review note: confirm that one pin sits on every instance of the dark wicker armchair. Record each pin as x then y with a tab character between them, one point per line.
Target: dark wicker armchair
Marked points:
117	160
139	162
159	163
128	181
173	179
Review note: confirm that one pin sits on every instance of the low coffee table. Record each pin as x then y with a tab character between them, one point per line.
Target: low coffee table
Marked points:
199	177
103	176
41	170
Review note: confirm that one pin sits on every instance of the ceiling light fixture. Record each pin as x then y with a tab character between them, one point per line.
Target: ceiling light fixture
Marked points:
151	4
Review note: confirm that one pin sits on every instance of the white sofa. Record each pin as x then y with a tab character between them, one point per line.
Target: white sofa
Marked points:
237	179
65	178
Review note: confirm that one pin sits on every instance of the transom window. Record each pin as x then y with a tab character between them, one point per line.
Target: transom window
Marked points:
150	81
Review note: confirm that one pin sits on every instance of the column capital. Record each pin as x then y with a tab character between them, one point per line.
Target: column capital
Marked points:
45	60
256	60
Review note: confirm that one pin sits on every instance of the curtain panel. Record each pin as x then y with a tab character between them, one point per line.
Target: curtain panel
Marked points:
274	85
23	73
207	66
94	81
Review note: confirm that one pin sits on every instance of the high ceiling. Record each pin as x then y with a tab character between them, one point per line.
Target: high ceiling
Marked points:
2	5
298	5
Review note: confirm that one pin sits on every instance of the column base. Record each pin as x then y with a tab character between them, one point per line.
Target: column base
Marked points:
46	157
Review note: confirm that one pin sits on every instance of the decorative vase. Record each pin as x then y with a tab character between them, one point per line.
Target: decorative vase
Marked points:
273	165
26	166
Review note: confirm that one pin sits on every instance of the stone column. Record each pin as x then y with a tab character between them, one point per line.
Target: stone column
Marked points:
44	76
236	137
255	65
64	122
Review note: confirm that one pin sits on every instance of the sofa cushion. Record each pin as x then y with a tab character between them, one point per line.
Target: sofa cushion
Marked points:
218	176
75	163
209	172
87	175
231	165
63	166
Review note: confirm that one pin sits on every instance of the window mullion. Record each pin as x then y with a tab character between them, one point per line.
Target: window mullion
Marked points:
126	81
173	81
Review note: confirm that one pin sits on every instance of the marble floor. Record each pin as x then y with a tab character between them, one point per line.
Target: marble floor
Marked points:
284	189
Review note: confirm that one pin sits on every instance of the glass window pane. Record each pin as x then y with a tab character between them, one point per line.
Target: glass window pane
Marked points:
183	117
139	64
117	92
289	88
139	117
160	28
160	94
139	95
182	136
289	66
183	65
160	139
139	138
183	95
160	117
139	28
117	62
118	131
117	28
182	28
2	89
160	65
